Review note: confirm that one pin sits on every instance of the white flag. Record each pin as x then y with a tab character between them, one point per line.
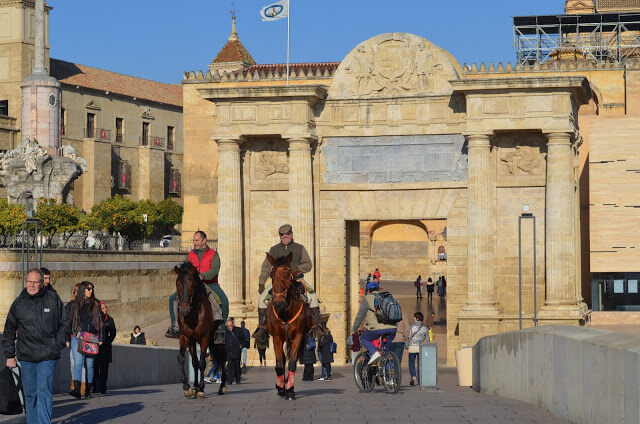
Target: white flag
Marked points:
275	11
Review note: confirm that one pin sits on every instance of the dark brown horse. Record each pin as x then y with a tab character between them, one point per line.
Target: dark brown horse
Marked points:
195	320
287	322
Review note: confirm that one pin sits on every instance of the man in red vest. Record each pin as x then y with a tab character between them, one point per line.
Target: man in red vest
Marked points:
207	262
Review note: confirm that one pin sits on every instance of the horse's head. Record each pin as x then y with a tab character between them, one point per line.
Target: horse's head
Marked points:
282	278
186	281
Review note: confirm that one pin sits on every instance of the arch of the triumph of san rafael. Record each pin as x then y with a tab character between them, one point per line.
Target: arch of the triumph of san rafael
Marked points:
397	132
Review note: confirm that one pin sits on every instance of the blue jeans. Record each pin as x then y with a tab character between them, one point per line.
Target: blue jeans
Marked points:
244	356
37	381
79	362
370	335
398	349
413	358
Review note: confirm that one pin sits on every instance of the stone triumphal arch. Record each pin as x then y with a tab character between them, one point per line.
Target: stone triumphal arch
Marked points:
397	132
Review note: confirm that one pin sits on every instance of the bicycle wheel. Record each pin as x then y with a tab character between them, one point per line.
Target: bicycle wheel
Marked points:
362	373
391	373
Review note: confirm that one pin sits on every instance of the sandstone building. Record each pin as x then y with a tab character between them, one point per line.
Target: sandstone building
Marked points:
397	133
128	129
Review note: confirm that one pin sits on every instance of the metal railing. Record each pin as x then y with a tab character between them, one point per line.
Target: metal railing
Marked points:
98	133
152	140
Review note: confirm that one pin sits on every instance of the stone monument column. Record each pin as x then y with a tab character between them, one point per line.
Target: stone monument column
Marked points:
230	237
480	289
41	94
560	238
301	195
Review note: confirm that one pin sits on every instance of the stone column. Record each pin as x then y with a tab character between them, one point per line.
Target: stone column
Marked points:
230	236
480	289
40	33
301	196
560	226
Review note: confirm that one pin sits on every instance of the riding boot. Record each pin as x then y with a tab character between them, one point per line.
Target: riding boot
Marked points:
87	390
261	331
316	325
76	390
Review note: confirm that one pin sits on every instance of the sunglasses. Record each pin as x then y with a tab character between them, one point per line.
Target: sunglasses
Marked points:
89	288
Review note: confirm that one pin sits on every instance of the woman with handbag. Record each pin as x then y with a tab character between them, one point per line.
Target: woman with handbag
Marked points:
418	334
86	336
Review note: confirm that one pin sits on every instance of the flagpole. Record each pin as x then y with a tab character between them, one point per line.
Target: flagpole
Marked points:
288	20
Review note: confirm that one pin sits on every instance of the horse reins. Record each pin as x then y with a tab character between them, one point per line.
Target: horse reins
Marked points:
297	314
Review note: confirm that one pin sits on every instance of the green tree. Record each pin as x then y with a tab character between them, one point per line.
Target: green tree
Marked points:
57	219
11	218
169	214
148	208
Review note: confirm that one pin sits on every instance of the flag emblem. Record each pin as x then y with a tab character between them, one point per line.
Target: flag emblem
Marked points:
275	11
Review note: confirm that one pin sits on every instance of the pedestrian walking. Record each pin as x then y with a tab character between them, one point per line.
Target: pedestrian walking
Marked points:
430	288
101	366
87	334
245	347
47	278
418	285
262	344
67	308
369	277
377	275
418	334
233	342
39	322
326	351
309	357
138	337
440	288
402	333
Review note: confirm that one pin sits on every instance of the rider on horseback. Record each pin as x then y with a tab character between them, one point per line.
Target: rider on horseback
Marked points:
207	262
300	264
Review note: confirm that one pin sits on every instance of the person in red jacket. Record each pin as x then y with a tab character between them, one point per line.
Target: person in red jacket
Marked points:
377	275
207	261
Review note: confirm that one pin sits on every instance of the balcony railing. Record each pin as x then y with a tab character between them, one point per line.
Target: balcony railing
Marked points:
99	133
152	140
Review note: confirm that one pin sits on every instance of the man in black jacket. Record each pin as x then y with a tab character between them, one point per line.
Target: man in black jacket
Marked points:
234	342
38	319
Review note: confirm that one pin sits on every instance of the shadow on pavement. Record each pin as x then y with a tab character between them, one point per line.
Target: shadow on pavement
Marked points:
315	392
99	415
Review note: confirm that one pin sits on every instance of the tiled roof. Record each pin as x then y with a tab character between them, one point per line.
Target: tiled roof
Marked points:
234	51
99	79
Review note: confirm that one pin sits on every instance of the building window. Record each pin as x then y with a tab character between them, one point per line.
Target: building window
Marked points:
171	138
90	130
144	140
119	130
124	177
63	121
174	182
442	253
4	107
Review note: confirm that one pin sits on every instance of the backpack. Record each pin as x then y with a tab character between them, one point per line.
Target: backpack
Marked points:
310	343
387	308
10	392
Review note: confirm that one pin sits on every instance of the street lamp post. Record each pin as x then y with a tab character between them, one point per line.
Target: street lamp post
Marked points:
527	215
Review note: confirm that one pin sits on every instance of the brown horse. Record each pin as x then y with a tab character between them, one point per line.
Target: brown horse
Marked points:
195	320
287	321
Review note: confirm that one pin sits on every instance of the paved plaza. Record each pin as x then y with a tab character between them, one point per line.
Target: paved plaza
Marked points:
256	401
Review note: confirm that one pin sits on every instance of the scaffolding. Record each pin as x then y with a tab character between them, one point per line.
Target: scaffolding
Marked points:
611	37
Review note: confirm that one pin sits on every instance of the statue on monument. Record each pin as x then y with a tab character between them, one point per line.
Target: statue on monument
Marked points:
30	169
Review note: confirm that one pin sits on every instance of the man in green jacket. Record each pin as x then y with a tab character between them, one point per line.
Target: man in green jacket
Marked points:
300	265
207	262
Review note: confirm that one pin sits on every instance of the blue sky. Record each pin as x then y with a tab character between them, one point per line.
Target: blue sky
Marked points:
160	39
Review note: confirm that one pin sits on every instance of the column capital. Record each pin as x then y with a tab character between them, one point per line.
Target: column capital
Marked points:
228	141
559	137
300	138
477	139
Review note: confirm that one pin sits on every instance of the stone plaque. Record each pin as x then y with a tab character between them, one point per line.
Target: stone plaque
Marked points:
393	159
269	162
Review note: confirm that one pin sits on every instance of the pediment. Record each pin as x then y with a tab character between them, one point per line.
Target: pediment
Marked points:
395	65
91	104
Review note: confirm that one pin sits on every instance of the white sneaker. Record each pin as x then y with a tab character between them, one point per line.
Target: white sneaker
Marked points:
218	380
321	379
374	358
207	380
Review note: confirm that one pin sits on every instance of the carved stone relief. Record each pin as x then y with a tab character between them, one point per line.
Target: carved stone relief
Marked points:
269	162
394	64
521	155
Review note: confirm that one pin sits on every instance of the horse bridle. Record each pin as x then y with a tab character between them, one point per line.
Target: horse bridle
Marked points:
185	294
286	290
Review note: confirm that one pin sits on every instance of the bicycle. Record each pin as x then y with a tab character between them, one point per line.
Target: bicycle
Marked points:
385	371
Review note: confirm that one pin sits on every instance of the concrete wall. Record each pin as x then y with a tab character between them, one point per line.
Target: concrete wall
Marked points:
134	285
583	375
